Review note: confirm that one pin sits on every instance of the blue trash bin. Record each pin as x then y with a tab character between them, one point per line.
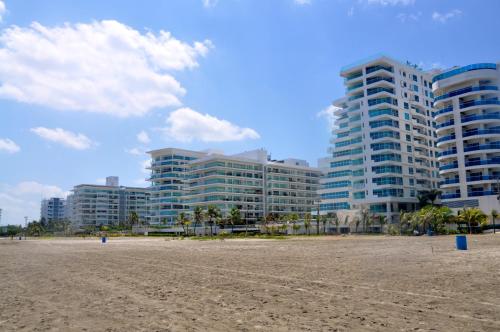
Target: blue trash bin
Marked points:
461	241
103	239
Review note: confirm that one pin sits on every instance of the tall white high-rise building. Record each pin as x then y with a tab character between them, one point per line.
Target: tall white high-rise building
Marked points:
383	152
467	112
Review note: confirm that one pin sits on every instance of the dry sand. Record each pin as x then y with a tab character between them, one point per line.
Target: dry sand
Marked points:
328	284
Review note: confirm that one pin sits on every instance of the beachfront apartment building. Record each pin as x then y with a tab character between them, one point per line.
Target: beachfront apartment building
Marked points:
249	181
96	205
52	209
467	114
168	183
383	152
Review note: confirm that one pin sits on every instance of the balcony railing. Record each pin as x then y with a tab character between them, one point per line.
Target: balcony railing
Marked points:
482	178
466	90
449	181
373	69
450	196
489	146
481	193
461	70
447	152
444	110
446	138
355	86
490	116
446	124
372	80
479	102
477	132
373	91
492	161
448	166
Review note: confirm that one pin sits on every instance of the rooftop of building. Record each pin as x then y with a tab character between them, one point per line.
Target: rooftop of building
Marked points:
374	59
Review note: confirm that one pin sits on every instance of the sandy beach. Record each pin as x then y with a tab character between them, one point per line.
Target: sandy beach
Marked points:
317	284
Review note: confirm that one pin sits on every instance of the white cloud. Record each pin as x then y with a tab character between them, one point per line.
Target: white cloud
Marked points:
9	145
64	137
444	17
2	9
302	2
102	67
24	199
186	125
135	151
391	2
209	3
329	114
143	137
409	17
350	12
101	181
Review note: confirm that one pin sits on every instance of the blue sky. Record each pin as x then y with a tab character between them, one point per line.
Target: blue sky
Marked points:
87	86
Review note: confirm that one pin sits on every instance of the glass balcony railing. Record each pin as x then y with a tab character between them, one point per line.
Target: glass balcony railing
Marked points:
449	181
353	76
373	91
388	100
447	152
446	124
466	90
444	110
488	146
482	178
376	79
479	102
448	166
461	70
477	132
450	196
361	95
481	193
355	86
490	116
492	161
373	69
446	138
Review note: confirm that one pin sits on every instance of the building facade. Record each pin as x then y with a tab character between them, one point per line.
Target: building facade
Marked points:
383	152
467	114
52	209
249	181
168	183
97	205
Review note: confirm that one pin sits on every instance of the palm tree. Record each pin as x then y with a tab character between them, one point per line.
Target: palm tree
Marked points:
198	217
494	216
365	218
346	220
294	217
307	222
325	219
382	220
432	195
422	199
357	221
234	217
471	217
212	213
134	218
183	220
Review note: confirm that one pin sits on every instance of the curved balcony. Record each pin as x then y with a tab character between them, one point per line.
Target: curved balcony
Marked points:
470	118
464	69
447	152
445	124
449	181
448	166
480	147
376	79
443	111
466	90
480	102
493	161
447	138
479	132
450	196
